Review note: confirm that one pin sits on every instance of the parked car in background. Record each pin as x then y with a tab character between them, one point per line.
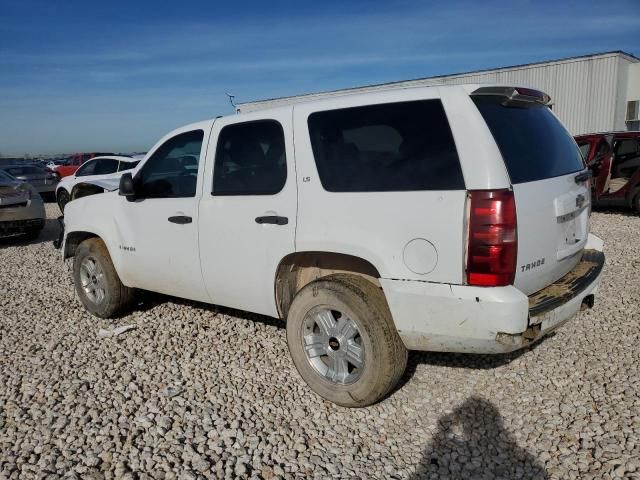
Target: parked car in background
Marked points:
54	164
42	179
73	163
21	208
97	168
449	218
614	160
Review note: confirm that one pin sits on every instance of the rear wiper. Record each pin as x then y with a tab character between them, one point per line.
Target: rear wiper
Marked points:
583	177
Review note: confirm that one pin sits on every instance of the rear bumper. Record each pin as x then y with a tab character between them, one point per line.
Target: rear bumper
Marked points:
460	318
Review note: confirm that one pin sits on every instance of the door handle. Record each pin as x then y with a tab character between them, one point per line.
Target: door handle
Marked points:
272	219
180	219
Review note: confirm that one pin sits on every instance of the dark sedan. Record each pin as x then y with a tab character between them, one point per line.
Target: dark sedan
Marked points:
42	179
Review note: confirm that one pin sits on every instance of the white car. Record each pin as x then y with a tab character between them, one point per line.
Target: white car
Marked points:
93	170
449	218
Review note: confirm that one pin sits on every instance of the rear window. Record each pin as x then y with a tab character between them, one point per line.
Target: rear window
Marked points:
15	171
390	147
533	142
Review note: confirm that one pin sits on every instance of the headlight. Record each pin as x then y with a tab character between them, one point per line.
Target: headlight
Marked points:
29	190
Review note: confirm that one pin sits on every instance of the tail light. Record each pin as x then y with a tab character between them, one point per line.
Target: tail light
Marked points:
492	248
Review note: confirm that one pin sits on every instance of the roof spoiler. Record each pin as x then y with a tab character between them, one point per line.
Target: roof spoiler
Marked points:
516	94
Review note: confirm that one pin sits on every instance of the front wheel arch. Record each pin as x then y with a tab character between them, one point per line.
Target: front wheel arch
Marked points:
73	239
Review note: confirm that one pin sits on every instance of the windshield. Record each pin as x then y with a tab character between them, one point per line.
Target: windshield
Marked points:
533	142
6	177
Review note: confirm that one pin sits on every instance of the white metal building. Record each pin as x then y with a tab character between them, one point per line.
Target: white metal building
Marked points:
591	93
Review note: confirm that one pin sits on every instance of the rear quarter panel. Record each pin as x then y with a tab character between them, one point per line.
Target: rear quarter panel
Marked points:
378	226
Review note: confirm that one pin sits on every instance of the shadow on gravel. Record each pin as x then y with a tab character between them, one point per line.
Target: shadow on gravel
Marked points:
471	442
48	234
624	211
148	300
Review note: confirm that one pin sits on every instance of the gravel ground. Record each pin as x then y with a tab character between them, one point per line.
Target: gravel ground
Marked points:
200	392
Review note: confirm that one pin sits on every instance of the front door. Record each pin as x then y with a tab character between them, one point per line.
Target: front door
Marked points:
159	227
248	212
601	168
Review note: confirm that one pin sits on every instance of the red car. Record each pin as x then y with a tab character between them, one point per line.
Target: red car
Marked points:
76	160
614	159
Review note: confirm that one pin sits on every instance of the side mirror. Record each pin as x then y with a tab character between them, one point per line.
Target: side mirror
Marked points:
126	186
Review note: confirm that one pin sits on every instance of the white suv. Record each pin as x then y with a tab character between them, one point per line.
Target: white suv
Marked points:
451	218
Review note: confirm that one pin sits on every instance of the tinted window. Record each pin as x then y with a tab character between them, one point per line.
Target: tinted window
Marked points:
584	150
104	166
88	168
29	170
172	171
6	177
391	147
127	165
624	147
533	143
250	159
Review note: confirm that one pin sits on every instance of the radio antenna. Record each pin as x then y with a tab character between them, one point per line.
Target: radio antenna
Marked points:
231	99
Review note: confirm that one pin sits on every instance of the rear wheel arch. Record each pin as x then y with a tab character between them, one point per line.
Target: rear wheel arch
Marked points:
298	269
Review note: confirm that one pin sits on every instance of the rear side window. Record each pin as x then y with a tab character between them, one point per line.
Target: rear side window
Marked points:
390	147
533	142
250	159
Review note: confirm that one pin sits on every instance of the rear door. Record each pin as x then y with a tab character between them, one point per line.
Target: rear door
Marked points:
552	198
247	215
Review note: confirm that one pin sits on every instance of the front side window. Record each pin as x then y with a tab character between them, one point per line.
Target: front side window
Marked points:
404	146
172	171
105	166
250	159
88	168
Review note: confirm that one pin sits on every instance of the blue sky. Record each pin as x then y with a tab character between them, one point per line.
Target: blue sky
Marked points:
110	75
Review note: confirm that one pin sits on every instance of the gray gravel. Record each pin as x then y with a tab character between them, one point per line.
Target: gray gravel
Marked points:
199	392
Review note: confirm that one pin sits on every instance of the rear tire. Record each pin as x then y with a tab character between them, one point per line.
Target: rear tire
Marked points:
96	281
62	199
343	341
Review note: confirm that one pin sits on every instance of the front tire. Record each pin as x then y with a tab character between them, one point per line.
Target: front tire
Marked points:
96	280
343	341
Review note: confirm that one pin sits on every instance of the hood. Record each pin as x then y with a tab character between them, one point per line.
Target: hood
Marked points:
109	184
